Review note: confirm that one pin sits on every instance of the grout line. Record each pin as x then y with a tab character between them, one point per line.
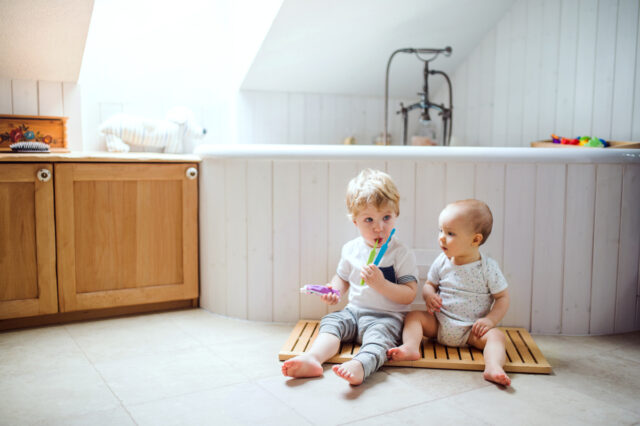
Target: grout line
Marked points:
100	375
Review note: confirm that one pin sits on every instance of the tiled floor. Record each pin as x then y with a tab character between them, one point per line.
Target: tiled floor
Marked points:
196	368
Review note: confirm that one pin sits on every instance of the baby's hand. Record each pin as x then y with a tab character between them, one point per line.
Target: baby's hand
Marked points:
331	298
481	326
434	303
372	275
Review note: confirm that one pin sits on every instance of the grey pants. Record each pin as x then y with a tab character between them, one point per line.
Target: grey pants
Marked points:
376	332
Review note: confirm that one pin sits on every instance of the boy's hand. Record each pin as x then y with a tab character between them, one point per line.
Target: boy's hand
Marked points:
330	299
372	275
434	302
481	326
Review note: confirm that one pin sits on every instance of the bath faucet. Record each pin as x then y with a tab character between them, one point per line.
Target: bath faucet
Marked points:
445	112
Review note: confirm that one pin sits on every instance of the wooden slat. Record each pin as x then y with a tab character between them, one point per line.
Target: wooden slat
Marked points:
520	346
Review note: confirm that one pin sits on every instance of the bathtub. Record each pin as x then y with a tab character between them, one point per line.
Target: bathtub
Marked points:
566	226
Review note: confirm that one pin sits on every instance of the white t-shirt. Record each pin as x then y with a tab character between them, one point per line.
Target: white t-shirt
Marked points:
398	265
466	290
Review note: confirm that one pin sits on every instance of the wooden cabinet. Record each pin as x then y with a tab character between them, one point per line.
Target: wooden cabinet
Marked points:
27	241
124	234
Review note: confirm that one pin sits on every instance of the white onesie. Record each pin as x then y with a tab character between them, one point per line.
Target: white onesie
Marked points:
466	292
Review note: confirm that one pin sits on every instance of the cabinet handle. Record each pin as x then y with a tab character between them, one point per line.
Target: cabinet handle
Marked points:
44	175
192	173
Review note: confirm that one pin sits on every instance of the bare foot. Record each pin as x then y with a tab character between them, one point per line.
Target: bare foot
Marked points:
302	366
403	353
351	371
496	375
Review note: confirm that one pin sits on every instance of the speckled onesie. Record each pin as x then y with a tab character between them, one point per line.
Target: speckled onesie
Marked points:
466	292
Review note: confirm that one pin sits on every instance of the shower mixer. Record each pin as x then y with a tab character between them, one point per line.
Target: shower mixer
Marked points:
425	104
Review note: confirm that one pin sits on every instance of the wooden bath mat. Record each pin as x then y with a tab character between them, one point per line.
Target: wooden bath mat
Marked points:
523	355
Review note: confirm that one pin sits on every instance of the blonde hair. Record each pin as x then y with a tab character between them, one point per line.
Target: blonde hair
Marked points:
479	216
371	188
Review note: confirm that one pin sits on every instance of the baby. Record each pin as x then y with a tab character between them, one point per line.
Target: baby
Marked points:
376	308
461	286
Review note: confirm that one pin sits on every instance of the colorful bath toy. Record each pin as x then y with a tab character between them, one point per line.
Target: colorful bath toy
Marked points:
319	289
372	254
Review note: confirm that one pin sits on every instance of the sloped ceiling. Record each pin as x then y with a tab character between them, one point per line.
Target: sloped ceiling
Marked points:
43	39
342	46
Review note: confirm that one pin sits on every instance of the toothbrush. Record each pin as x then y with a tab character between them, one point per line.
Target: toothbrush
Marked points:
383	249
318	289
371	255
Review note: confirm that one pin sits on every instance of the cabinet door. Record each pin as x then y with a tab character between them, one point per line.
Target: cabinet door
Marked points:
127	234
27	241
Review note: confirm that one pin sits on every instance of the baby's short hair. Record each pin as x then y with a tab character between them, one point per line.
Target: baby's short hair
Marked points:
371	188
479	216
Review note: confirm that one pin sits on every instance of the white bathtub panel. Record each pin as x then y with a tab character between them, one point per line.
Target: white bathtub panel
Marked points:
606	238
341	228
546	297
490	182
460	181
627	288
313	233
404	175
518	241
236	222
430	190
213	247
259	240
578	249
286	241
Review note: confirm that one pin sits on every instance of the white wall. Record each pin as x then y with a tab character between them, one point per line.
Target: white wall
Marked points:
307	118
566	67
45	98
192	53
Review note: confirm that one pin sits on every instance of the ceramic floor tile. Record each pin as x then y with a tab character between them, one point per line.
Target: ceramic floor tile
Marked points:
535	400
211	329
128	337
115	417
442	411
152	377
608	378
50	395
439	383
330	400
255	358
45	349
244	404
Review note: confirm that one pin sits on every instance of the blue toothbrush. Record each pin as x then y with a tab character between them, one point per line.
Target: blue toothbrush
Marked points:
383	249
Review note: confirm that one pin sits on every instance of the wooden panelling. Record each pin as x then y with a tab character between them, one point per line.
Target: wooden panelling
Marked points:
556	233
606	240
260	240
548	258
578	248
314	181
629	252
286	240
235	194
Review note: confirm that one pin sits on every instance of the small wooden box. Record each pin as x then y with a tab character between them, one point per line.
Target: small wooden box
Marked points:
44	128
612	144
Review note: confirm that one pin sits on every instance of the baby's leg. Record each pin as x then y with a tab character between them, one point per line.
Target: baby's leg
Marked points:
310	364
493	345
416	324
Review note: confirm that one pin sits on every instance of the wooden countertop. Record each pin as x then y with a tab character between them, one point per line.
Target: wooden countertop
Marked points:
97	157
